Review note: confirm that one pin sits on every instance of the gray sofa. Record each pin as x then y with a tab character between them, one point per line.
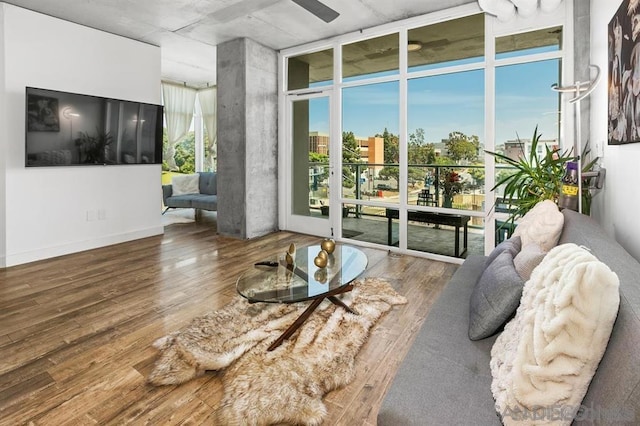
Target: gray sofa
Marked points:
207	199
445	378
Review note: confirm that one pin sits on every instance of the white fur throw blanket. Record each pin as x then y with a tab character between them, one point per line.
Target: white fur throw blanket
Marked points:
544	360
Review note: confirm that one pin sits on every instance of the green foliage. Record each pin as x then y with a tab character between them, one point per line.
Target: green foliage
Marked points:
391	146
321	160
350	154
185	154
314	157
533	179
389	172
419	151
478	176
462	147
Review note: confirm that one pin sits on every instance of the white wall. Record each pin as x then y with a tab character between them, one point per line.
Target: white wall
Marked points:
58	210
3	143
616	208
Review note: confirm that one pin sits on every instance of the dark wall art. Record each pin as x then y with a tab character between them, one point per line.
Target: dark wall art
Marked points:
42	114
624	74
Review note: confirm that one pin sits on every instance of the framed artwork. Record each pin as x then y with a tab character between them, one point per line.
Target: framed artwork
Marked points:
42	114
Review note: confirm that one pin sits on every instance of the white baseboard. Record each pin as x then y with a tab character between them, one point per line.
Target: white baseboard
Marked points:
75	247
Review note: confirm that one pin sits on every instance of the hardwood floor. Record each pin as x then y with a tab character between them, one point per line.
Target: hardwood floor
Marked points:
76	331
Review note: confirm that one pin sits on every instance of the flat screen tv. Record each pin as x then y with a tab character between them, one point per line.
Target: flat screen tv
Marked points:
68	129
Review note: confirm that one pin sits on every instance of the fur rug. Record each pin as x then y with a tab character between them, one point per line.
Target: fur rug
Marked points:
288	383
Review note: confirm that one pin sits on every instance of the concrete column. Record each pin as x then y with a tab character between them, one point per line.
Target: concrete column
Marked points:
581	61
247	139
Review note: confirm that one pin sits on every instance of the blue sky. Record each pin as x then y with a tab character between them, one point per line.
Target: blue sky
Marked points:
455	102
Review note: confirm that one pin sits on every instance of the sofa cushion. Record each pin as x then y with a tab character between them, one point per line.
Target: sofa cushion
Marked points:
529	257
444	379
542	224
512	245
208	183
548	353
205	202
186	184
180	201
495	297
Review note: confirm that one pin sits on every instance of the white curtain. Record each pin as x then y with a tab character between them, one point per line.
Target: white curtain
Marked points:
179	105
207	99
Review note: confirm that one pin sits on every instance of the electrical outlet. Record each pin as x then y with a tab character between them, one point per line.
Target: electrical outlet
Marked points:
102	214
91	215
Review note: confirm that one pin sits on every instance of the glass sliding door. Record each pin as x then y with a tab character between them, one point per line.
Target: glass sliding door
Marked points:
413	109
310	207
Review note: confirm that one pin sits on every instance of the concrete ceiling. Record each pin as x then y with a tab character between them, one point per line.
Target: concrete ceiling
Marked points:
188	31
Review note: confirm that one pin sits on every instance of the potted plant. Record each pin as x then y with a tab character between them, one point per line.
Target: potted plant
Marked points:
535	179
451	184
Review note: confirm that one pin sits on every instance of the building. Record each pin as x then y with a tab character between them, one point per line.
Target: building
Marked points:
319	143
372	152
516	149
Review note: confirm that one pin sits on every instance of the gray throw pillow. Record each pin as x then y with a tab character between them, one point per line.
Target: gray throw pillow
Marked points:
512	245
526	261
495	297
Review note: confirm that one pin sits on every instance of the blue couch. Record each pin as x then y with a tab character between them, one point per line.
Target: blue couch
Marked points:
206	199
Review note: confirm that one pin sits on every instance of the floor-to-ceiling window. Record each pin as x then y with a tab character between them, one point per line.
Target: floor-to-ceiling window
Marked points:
526	64
415	108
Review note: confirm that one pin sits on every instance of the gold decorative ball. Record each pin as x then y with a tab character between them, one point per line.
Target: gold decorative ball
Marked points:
328	245
292	248
320	275
323	254
320	262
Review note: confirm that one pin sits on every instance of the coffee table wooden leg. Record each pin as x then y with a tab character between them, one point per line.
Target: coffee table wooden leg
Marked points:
296	324
340	303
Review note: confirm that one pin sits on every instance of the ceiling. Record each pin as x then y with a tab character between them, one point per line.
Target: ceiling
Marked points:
188	31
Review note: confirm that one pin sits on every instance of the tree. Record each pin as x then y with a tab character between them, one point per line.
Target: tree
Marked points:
350	154
419	153
391	146
478	176
322	161
185	154
462	147
389	172
417	137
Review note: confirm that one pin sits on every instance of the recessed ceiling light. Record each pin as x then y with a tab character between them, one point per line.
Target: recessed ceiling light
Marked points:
413	45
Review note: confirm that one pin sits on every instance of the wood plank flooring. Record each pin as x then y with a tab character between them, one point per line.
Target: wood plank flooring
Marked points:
76	331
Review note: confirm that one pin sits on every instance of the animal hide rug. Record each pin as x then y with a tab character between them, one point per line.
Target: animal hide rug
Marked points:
287	384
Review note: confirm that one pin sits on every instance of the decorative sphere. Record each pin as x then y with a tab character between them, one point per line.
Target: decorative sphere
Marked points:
323	254
292	248
320	262
320	275
328	245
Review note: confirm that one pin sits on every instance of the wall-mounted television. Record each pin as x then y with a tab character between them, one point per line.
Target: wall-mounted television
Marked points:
67	129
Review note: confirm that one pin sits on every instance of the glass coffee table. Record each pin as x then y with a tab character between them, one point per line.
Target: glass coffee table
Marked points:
274	281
